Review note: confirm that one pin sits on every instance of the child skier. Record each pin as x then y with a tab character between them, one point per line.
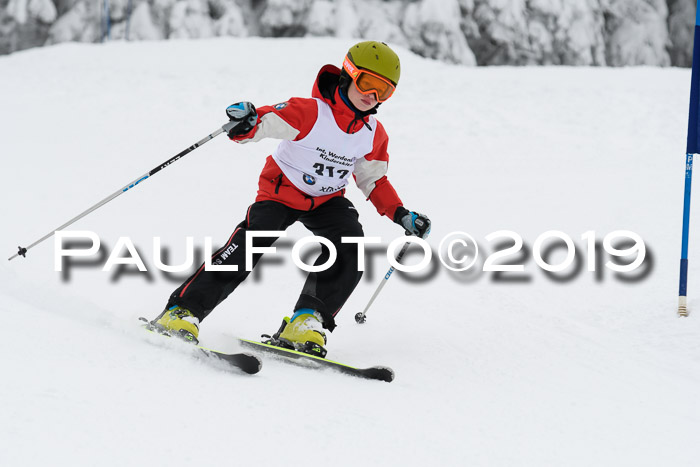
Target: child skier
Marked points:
325	140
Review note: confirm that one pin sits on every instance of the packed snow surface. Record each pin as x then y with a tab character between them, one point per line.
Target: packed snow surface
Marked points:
521	368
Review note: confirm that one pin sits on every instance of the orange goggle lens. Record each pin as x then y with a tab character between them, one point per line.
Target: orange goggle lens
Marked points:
368	82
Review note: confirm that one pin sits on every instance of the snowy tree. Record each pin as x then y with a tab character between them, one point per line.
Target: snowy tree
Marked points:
80	23
681	24
25	10
484	32
333	18
321	19
143	26
537	32
283	18
231	21
433	29
565	32
24	23
636	32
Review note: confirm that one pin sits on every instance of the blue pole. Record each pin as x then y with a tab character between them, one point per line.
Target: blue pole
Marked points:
106	22
683	286
692	148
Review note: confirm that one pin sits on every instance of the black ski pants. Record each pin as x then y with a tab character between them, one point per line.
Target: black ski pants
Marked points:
324	291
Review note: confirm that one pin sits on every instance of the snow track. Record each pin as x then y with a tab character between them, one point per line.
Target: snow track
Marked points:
488	372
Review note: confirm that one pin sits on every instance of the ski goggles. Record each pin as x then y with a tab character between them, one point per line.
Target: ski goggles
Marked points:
368	82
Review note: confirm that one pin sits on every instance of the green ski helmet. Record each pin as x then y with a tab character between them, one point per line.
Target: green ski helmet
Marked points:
374	68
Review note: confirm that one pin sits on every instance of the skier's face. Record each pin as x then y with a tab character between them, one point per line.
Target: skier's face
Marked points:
363	102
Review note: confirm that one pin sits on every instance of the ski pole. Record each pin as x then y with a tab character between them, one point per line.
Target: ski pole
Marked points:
361	317
234	115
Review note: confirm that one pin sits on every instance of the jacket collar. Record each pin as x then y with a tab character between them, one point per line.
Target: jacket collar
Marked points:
326	88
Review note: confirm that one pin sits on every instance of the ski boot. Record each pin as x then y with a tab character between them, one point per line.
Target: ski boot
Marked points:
302	332
179	322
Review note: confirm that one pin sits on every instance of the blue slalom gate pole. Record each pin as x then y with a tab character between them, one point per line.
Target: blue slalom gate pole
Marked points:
692	148
683	286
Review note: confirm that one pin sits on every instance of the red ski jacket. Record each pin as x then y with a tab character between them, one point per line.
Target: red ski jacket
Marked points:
299	186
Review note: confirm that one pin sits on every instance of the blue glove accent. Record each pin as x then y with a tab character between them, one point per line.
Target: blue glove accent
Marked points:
242	119
415	223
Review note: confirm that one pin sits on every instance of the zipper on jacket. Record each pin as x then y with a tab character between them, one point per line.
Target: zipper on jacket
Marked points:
279	183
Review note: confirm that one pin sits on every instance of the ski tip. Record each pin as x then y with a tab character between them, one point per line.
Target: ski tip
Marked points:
381	373
246	362
252	364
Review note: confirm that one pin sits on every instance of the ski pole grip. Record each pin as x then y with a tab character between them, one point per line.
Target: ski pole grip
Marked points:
243	118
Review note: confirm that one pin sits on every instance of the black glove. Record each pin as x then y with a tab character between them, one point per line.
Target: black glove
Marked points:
243	118
415	223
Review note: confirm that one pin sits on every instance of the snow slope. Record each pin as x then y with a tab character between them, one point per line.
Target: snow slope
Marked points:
593	370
